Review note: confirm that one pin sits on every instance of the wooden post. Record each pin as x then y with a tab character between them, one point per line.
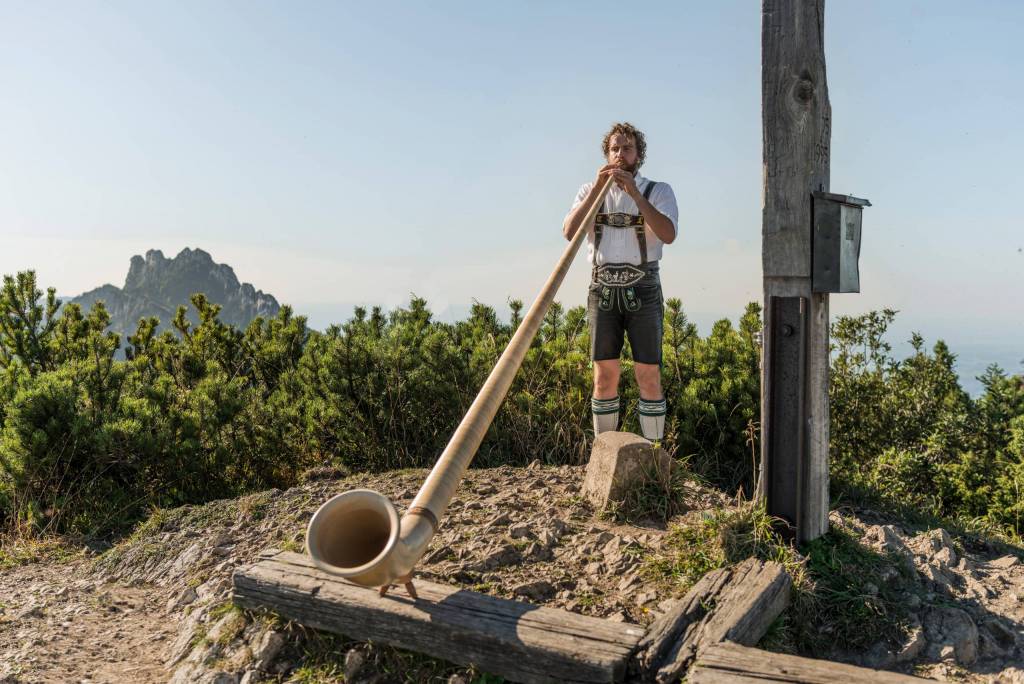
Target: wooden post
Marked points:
796	120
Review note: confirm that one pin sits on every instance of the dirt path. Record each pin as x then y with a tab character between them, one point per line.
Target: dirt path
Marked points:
57	624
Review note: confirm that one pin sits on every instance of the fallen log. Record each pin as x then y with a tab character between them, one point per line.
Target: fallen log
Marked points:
736	604
727	663
520	641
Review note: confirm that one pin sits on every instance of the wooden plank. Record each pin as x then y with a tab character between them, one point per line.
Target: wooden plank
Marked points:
796	134
729	663
664	632
735	603
520	641
750	604
296	565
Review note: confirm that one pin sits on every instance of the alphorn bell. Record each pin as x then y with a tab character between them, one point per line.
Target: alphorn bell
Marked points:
358	535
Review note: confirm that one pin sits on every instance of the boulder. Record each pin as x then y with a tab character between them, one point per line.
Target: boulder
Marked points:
619	462
952	632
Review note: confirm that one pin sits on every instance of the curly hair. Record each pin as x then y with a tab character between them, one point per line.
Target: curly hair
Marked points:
626	128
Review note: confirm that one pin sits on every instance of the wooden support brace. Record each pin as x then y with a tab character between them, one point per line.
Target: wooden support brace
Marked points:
520	641
728	663
736	604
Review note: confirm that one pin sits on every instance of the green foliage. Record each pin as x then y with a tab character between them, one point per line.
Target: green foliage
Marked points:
906	435
713	385
92	436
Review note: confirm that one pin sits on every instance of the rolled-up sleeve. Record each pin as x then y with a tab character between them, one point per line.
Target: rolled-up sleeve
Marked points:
580	196
664	200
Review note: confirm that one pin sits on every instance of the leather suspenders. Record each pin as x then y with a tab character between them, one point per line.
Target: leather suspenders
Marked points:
622	221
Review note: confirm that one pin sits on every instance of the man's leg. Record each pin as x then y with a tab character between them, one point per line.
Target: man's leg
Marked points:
652	403
645	333
605	403
606	337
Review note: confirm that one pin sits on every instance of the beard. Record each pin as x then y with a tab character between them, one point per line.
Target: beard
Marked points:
631	168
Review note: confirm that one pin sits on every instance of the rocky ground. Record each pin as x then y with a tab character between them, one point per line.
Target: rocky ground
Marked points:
965	605
156	607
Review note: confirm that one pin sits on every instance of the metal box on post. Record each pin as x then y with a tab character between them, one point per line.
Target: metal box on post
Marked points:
835	242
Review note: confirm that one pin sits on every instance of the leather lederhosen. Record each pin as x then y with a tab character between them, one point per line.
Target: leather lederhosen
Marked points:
616	281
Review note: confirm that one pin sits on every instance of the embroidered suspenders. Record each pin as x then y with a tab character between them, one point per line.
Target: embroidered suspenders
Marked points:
616	280
621	220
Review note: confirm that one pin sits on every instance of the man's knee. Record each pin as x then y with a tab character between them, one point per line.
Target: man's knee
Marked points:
648	379
606	378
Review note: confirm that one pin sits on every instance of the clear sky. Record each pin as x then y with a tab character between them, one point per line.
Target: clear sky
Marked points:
345	153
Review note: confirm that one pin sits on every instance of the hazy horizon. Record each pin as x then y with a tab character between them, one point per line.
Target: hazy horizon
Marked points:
973	355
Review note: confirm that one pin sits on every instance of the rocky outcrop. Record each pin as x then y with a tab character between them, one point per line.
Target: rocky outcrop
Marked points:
963	613
156	286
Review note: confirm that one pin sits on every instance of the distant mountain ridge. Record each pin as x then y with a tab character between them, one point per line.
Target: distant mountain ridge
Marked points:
156	286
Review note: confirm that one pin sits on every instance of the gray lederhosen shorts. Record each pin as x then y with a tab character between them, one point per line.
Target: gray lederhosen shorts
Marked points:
644	326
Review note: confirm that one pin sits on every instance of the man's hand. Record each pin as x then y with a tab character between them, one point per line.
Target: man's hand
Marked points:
603	173
625	180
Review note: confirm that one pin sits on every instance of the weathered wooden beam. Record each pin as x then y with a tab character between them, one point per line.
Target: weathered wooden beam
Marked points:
728	663
665	632
520	641
735	603
796	127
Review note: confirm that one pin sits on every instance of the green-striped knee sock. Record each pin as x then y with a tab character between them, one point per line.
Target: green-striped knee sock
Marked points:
606	414
652	418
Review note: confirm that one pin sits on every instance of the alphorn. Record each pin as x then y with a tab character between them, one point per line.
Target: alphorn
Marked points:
357	534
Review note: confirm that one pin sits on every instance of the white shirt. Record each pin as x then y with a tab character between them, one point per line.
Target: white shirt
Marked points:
619	245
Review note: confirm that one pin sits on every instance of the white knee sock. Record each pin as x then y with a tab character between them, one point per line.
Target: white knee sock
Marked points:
605	413
652	418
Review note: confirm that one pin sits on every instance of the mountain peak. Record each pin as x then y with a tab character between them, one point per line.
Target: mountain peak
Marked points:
156	286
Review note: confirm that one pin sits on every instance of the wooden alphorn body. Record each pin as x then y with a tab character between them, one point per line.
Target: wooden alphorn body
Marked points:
358	534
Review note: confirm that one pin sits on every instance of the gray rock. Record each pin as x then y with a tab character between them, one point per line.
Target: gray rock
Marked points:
540	590
953	628
1001	632
619	462
267	648
945	557
915	644
355	660
500	519
1004	562
186	561
181	600
646	597
629	580
218	678
547	538
537	552
519	530
32	611
497	557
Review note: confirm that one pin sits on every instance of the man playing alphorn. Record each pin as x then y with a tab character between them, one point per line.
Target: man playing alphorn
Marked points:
624	245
